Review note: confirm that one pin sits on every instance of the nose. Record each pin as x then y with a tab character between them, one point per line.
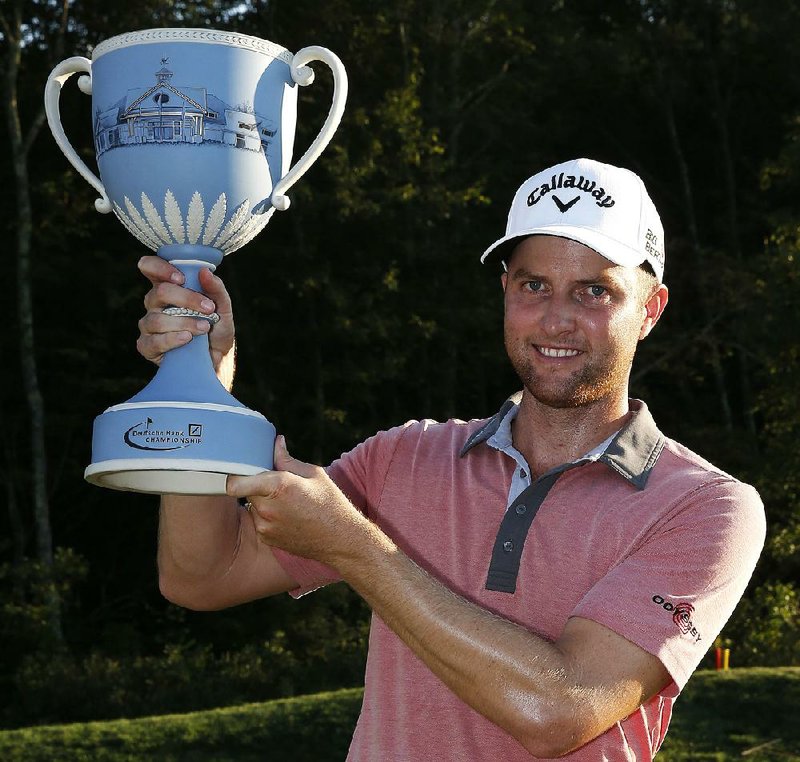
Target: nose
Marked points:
558	316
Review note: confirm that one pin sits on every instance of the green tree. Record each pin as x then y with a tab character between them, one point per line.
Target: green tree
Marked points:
47	33
364	304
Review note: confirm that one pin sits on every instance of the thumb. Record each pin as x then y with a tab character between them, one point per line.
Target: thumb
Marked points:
285	462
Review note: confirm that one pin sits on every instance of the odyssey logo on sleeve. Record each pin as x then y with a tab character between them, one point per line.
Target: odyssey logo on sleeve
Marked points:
681	615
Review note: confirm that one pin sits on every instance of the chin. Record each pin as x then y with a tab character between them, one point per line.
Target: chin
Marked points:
562	399
566	395
588	385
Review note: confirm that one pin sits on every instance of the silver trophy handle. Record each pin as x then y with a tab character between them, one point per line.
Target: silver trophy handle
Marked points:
52	95
303	75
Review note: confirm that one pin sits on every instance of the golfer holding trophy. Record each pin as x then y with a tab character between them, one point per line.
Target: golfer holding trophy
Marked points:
543	582
193	131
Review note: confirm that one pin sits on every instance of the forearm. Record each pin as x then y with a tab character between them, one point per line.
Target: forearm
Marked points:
519	681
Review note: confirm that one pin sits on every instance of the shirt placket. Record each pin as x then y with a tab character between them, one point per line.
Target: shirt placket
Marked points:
510	540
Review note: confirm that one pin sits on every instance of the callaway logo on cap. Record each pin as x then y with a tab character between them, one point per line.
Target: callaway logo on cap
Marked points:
601	206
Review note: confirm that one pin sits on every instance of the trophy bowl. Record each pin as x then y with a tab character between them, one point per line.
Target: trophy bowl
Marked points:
194	133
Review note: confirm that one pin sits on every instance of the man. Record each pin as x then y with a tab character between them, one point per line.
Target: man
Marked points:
543	582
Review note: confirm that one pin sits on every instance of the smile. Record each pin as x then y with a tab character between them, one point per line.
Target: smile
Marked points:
555	352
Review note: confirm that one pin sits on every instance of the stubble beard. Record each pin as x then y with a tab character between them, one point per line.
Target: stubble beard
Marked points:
596	379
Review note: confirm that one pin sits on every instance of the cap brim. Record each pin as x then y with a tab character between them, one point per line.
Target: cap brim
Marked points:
606	247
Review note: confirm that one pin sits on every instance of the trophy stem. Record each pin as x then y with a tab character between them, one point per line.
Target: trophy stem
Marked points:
184	432
186	373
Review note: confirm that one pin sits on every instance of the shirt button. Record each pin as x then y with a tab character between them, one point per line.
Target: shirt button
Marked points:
521	508
508	546
522	473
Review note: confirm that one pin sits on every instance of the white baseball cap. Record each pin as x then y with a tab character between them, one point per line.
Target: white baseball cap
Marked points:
601	206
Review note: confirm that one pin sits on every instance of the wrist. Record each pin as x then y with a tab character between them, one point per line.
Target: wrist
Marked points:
226	367
362	547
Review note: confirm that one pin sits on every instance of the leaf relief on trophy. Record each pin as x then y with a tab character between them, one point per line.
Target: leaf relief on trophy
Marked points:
154	230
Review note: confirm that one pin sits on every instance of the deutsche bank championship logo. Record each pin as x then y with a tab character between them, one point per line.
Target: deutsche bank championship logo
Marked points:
148	435
681	616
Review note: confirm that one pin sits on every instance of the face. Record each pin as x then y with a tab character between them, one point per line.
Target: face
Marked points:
573	320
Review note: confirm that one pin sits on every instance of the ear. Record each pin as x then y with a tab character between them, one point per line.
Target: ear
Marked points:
653	309
504	280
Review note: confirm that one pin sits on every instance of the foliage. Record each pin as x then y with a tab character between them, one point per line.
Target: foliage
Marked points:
721	715
364	305
24	591
316	654
59	688
765	629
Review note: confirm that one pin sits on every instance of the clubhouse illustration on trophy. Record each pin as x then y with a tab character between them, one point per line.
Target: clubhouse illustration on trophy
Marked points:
194	132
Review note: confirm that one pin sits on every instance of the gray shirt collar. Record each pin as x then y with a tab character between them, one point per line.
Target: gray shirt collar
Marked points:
632	453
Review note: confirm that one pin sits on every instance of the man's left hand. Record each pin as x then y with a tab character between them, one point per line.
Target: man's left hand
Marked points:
298	508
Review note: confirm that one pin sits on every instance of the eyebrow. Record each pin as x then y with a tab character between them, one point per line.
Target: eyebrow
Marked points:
600	279
521	273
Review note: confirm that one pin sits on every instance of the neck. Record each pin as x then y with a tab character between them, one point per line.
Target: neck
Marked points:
548	437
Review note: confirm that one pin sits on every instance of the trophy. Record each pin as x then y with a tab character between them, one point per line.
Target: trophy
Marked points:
193	132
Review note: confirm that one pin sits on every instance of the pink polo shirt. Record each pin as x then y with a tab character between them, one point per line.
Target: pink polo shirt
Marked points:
649	540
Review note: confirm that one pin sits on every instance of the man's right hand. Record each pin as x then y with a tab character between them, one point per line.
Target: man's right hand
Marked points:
158	333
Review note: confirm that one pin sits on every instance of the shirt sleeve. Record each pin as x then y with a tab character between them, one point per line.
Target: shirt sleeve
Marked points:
360	474
674	593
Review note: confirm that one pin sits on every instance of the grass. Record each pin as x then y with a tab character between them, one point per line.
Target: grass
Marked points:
742	714
315	728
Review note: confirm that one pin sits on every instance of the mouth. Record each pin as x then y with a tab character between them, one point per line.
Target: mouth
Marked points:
556	352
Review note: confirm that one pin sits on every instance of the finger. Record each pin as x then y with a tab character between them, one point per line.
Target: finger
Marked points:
266	484
262	526
154	347
215	288
158	270
285	462
171	295
159	322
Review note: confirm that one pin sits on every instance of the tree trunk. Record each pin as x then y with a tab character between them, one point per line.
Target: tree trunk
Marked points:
7	475
20	146
721	111
691	223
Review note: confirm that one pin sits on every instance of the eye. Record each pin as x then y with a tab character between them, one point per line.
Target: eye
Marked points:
595	295
533	285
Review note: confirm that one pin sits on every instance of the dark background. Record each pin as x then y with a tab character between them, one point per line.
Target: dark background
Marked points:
365	305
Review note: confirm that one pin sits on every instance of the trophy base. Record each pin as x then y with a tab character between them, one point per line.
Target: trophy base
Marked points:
164	477
181	448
